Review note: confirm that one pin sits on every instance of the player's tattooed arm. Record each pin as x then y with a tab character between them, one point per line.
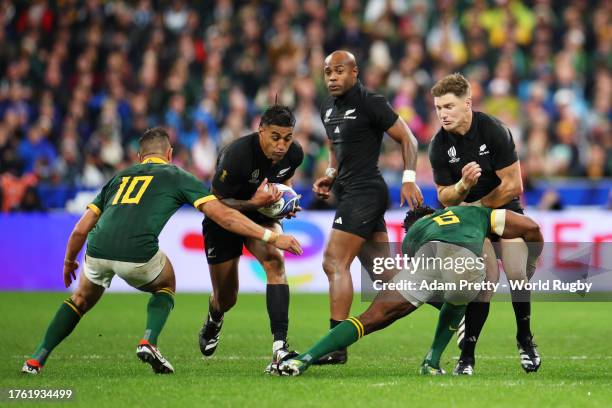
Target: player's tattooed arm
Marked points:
266	194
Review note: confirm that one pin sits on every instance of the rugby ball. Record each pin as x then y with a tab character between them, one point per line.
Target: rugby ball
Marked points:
288	202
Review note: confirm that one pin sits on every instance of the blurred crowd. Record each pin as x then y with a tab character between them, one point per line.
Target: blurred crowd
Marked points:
81	80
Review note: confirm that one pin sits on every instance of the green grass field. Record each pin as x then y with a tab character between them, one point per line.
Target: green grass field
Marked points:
99	363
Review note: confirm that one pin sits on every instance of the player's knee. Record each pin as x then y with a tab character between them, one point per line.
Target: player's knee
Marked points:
332	265
81	301
274	266
226	300
168	282
516	274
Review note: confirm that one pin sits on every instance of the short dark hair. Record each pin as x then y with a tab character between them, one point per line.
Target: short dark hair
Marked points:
415	214
278	115
154	140
454	83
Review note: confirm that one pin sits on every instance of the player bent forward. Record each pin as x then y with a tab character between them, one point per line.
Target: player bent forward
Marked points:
268	155
122	226
451	232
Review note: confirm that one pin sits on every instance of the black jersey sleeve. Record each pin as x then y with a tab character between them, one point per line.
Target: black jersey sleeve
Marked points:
440	167
503	150
325	106
381	113
229	174
296	156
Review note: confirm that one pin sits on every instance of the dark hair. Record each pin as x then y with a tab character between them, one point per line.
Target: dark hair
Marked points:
154	140
415	214
278	115
454	83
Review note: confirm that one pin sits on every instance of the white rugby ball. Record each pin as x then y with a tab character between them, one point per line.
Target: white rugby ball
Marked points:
286	204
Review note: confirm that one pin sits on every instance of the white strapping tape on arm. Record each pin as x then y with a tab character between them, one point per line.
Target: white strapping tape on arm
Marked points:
498	221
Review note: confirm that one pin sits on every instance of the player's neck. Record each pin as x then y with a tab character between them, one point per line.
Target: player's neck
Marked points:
153	158
465	126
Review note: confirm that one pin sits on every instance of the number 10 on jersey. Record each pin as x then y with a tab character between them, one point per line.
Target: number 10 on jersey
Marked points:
131	197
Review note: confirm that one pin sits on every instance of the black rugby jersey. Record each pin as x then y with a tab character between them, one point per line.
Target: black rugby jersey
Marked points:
488	142
355	123
242	166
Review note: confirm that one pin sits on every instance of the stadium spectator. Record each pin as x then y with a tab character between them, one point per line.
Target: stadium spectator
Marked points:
108	70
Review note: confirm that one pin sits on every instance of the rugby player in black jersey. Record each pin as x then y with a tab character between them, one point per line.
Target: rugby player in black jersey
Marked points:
245	171
355	120
474	162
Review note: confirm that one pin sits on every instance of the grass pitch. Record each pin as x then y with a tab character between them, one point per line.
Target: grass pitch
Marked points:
98	360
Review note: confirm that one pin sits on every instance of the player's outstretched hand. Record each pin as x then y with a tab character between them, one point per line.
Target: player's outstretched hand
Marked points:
470	174
322	186
265	194
288	243
70	268
297	209
411	194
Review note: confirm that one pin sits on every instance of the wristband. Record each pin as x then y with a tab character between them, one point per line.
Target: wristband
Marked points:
330	172
408	176
269	236
460	187
69	262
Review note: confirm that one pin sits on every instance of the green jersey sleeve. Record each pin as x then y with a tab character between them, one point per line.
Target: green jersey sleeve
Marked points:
192	190
97	205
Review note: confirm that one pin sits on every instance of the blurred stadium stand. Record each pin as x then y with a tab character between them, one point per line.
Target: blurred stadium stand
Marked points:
81	80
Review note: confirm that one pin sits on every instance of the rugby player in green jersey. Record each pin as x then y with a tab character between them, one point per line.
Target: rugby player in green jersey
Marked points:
122	226
457	233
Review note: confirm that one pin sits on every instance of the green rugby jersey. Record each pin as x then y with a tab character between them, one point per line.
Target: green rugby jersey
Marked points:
135	205
460	225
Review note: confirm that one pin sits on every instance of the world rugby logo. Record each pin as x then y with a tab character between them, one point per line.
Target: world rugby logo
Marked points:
452	153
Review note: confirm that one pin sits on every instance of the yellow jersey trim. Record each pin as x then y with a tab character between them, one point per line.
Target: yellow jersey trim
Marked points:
203	200
95	209
154	160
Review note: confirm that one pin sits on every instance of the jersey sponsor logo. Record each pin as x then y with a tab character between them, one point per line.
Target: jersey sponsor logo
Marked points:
337	130
254	177
452	153
347	114
283	172
327	115
338	221
483	150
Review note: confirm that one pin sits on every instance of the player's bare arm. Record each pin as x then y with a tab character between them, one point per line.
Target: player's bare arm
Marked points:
520	226
456	193
266	194
322	185
410	192
511	186
236	222
75	244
